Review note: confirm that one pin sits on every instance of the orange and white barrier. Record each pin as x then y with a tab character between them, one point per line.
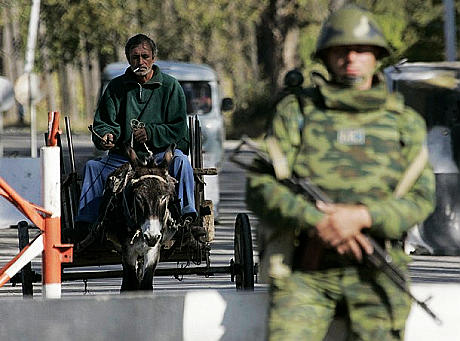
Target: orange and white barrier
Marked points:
47	219
17	263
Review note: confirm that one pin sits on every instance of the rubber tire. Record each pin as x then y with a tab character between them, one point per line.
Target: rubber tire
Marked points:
244	262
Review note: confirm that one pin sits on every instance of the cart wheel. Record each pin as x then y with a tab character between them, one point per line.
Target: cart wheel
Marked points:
244	263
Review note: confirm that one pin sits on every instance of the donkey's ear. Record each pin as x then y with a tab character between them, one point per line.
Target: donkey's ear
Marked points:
169	155
132	156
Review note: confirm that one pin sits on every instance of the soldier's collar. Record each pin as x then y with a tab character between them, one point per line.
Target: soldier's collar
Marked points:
336	97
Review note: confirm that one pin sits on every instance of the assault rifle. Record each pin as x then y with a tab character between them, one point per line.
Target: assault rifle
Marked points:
379	259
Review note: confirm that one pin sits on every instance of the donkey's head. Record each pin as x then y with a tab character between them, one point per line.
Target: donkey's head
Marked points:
151	188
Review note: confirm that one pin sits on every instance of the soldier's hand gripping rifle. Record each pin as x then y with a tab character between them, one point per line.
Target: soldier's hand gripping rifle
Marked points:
379	259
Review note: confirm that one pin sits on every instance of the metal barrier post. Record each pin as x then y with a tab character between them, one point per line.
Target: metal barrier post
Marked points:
54	253
51	265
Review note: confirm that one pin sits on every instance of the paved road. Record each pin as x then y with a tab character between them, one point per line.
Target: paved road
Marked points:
423	269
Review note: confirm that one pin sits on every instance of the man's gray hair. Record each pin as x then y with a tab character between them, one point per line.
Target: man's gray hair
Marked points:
137	40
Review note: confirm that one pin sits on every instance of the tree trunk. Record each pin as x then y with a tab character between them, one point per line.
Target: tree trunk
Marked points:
8	61
9	65
17	39
71	85
63	90
277	40
87	88
265	43
50	86
51	93
95	78
253	51
239	70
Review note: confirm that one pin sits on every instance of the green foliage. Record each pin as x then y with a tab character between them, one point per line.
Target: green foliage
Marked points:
258	112
102	24
425	33
225	34
19	13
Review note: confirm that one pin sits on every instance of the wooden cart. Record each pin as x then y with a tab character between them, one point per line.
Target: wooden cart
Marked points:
241	268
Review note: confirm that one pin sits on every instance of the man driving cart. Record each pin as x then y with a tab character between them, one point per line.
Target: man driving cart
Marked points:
146	109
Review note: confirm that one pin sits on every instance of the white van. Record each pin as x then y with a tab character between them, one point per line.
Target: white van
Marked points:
433	90
203	96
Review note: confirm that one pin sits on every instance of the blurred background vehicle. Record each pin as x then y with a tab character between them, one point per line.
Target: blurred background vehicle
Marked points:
203	96
433	89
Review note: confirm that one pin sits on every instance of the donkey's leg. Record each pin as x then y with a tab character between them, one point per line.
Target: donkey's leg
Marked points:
129	282
151	259
129	261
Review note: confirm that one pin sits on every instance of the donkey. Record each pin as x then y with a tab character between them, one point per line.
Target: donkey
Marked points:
139	215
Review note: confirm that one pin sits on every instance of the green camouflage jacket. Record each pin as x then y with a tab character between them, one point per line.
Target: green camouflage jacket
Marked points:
355	145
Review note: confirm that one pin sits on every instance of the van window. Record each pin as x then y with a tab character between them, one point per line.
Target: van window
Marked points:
198	97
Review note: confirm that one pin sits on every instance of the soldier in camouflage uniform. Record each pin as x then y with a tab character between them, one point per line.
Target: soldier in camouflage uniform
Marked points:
354	140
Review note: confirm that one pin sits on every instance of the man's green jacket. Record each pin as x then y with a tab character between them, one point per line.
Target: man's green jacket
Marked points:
159	104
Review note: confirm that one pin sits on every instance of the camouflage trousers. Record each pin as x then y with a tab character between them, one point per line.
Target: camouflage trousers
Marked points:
302	305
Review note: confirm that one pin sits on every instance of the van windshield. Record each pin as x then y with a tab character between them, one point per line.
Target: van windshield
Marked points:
198	97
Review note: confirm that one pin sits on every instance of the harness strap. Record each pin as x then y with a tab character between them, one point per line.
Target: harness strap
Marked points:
119	187
163	201
126	212
147	176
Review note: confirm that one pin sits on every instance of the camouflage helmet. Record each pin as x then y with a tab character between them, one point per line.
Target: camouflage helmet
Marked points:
351	25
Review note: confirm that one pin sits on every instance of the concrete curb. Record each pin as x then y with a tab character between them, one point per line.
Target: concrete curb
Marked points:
205	315
197	315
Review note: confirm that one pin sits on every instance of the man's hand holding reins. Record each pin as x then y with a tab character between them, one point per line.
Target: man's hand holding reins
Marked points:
107	141
140	135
